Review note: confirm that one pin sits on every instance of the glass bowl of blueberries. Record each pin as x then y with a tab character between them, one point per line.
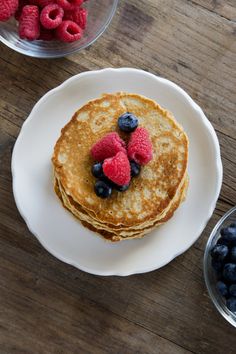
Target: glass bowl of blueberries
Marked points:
220	266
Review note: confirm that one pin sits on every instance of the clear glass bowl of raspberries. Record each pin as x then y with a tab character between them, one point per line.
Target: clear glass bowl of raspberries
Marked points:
220	266
53	28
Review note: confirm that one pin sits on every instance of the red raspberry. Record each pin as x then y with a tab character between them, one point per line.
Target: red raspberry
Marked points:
78	15
68	31
69	4
108	146
7	9
77	2
41	3
117	169
46	34
51	16
22	3
29	26
140	146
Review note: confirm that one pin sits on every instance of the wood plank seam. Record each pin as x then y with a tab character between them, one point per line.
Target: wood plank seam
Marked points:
212	11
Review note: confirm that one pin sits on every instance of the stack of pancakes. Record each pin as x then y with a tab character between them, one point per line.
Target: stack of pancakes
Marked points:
152	197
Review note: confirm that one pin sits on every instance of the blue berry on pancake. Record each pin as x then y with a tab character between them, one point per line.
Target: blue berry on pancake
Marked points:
135	168
97	170
121	188
102	189
127	122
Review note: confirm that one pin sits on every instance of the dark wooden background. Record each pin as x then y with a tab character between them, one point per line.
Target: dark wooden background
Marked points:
47	306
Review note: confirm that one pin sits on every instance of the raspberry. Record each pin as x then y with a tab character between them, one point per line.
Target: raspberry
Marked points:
117	169
77	2
46	34
51	16
68	31
41	3
140	146
7	9
69	4
78	15
22	3
29	26
108	146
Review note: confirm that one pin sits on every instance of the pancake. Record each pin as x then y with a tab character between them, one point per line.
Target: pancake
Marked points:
80	209
151	195
123	231
117	235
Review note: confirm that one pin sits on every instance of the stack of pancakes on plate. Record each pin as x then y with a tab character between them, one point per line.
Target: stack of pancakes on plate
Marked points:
152	197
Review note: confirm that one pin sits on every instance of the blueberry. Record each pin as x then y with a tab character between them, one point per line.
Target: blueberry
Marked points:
97	170
127	122
231	304
219	275
114	185
229	233
229	272
222	241
219	252
222	288
233	254
233	225
102	189
232	290
216	265
108	181
135	168
121	188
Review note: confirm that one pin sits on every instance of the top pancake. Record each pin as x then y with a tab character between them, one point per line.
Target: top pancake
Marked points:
153	190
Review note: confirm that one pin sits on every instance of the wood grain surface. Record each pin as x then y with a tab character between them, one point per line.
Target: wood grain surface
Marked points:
47	306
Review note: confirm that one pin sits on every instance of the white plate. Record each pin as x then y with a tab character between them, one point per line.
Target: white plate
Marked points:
58	231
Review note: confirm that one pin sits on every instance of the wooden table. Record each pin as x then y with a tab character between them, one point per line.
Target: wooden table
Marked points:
47	306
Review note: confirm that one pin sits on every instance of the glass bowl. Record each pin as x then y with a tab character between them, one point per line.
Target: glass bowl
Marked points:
209	273
100	14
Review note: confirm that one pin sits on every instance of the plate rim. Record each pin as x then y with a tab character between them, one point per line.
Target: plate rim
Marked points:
205	121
